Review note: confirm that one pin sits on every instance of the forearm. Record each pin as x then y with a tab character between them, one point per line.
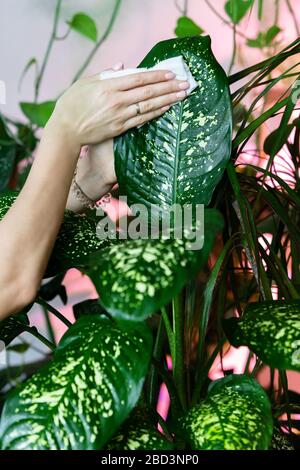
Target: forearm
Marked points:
29	229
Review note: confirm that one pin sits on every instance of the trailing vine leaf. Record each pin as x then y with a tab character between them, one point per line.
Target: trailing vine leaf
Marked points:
271	330
38	113
264	39
12	327
235	415
81	397
85	25
237	9
180	157
54	287
187	27
136	278
139	433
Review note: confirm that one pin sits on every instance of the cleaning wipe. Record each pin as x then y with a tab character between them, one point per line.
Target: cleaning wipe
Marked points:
176	65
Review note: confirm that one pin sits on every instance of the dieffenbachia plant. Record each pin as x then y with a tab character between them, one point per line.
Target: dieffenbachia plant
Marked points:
85	396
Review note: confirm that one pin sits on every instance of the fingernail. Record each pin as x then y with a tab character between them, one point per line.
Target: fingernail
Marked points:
181	94
118	66
165	108
170	75
184	85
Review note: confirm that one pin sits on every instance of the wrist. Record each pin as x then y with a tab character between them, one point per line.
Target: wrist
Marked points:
60	133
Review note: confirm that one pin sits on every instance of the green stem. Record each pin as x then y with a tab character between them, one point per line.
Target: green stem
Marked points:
233	50
48	324
34	332
48	51
100	42
293	15
54	311
169	330
178	357
157	353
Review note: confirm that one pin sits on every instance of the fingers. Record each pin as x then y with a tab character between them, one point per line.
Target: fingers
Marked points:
141	119
140	79
151	91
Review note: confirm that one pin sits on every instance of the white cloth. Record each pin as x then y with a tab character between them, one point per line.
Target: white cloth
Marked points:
176	65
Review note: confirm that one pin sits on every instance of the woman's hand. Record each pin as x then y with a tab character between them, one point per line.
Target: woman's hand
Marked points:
94	110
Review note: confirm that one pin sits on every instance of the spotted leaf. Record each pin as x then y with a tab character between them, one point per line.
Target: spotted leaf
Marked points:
76	239
236	415
81	397
180	157
139	433
137	277
12	327
271	330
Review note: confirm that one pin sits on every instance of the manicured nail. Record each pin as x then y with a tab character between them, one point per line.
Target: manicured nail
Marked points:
181	94
170	75
118	66
165	108
184	85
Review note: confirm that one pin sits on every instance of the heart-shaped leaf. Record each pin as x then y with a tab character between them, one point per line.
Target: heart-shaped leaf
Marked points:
139	433
237	9
180	157
38	113
187	27
88	307
137	277
271	330
236	415
82	396
84	25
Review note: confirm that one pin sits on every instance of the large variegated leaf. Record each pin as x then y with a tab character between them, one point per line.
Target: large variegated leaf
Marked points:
76	239
81	397
136	278
180	157
236	415
271	330
139	433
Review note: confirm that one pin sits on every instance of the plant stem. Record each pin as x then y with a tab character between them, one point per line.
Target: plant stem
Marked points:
100	42
169	330
290	8
54	311
34	332
48	324
233	51
153	375
178	357
48	51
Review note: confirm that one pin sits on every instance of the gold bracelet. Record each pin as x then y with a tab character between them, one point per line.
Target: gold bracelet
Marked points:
86	201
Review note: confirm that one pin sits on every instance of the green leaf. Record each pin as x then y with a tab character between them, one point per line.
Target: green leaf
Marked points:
82	396
137	277
139	433
277	139
180	157
12	327
236	415
264	39
88	307
38	113
187	27
271	330
7	163
20	348
237	9
84	25
76	239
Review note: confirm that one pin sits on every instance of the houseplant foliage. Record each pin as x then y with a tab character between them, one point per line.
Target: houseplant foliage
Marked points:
157	299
